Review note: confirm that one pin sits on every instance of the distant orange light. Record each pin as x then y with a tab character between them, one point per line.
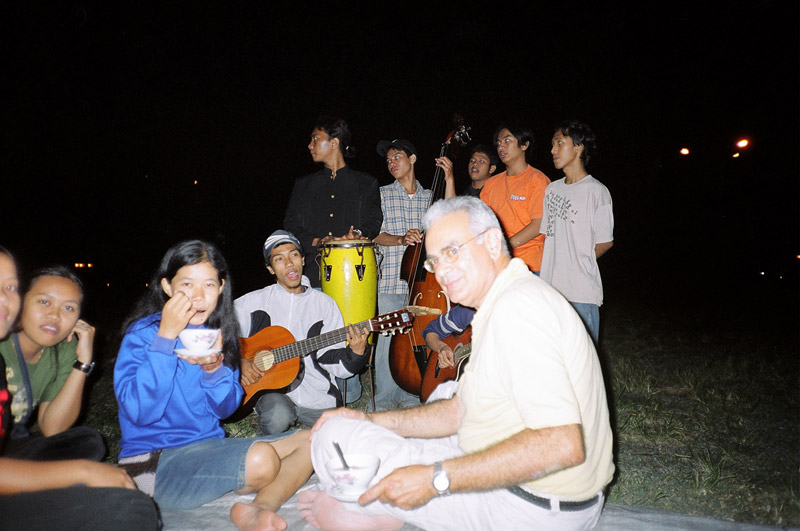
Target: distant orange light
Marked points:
684	151
195	182
736	155
743	143
89	265
108	285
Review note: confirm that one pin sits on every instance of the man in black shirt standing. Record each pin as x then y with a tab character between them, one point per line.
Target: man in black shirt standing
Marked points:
334	203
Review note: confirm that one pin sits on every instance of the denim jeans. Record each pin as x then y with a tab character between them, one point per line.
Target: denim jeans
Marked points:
353	384
191	475
388	395
590	315
353	388
277	413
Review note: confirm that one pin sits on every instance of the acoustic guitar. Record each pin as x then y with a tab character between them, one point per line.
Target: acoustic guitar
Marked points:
275	352
434	375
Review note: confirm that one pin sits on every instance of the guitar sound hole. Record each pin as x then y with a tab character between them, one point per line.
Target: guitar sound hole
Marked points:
264	360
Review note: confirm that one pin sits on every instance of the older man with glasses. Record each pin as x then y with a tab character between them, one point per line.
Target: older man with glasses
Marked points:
524	442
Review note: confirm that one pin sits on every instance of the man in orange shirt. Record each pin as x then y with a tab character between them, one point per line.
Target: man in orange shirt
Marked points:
517	195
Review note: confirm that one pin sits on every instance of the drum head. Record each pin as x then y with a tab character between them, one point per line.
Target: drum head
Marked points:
348	244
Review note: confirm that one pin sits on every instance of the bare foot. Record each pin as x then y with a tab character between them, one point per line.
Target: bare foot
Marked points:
250	517
324	512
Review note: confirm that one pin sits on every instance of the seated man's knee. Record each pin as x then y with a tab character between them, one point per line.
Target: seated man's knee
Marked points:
276	414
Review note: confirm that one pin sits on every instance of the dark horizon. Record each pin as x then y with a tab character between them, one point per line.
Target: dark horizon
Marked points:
113	113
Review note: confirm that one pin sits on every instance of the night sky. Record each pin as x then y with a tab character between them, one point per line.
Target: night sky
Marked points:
112	113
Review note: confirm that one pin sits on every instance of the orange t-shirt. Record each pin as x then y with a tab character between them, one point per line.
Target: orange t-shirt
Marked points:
518	200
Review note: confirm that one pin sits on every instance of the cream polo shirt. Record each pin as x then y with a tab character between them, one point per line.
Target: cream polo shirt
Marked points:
533	365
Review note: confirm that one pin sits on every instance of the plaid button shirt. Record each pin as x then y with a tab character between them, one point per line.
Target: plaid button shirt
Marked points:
400	214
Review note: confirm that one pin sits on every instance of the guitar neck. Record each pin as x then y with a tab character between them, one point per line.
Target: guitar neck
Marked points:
303	347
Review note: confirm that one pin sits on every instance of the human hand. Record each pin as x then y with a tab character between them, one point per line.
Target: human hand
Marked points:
250	372
412	237
357	337
85	333
447	358
341	412
352	234
447	166
177	313
209	363
94	474
406	487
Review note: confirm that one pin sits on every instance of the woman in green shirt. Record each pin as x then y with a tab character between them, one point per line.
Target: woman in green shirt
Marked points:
47	362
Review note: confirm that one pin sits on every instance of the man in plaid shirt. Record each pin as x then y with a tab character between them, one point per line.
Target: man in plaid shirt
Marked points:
403	203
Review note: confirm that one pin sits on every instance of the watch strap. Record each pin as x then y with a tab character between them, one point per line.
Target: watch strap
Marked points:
86	368
439	471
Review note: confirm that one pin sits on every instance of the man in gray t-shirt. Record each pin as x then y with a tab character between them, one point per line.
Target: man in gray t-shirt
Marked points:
578	224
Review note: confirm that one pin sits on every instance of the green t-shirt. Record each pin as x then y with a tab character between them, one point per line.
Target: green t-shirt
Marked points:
47	375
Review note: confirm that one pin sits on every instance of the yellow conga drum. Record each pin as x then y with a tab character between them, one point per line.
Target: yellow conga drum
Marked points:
349	274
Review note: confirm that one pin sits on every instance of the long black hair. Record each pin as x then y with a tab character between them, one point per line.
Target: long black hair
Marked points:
187	253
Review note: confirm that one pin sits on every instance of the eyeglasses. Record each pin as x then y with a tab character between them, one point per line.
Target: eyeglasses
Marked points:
449	254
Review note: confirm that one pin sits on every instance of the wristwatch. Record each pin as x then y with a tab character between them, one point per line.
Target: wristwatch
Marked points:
440	480
83	367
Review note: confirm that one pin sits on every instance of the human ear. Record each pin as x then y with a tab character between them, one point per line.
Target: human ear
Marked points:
493	237
271	271
412	159
166	287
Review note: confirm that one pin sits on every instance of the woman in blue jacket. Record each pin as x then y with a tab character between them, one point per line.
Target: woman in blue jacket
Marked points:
171	404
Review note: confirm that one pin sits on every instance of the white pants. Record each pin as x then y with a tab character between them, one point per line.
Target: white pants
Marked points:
494	509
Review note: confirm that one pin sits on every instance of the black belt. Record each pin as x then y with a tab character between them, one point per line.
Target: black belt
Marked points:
544	503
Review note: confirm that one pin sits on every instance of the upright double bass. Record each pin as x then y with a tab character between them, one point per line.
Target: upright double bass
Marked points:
408	353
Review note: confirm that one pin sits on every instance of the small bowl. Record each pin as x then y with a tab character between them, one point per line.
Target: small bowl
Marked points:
198	340
356	479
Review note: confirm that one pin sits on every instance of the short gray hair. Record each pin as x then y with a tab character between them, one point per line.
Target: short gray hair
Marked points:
481	217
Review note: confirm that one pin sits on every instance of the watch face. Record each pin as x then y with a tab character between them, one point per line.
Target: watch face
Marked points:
440	482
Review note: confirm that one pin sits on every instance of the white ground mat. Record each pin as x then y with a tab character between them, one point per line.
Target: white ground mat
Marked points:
214	515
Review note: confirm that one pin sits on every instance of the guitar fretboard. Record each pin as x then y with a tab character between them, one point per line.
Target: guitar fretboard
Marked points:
303	347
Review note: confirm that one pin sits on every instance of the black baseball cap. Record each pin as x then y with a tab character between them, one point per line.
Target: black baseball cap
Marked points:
398	143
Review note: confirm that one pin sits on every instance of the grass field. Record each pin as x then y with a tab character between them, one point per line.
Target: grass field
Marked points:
704	405
706	415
